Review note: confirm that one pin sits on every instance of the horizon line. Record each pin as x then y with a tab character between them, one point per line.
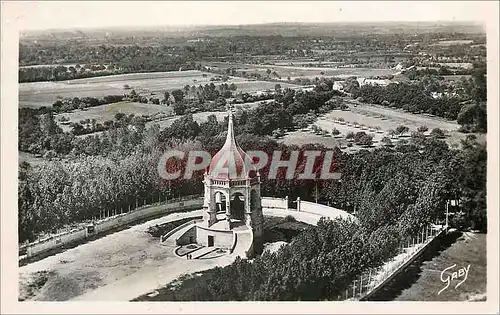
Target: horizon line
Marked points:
186	26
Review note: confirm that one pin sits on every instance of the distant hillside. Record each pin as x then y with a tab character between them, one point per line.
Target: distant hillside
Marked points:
283	29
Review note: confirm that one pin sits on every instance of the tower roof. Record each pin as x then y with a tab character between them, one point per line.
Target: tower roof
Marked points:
231	162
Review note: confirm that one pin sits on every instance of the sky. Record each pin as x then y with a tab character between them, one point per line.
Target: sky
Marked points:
73	14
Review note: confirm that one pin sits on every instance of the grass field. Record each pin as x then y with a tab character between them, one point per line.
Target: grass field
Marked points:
162	114
453	42
30	158
373	116
421	281
38	94
198	117
294	71
106	112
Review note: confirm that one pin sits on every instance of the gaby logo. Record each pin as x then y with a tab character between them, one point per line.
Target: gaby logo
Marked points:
302	165
449	274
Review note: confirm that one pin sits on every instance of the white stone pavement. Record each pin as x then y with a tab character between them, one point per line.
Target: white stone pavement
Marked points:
124	265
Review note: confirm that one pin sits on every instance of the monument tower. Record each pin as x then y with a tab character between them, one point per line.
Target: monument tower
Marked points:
232	198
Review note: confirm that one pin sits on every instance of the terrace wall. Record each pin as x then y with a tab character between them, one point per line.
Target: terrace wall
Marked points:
275	203
222	238
107	224
183	204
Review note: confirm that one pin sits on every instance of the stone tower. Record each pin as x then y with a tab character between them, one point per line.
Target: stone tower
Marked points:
232	190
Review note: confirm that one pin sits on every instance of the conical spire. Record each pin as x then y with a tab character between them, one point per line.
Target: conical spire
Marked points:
230	132
231	158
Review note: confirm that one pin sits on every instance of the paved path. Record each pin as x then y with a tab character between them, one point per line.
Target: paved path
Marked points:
150	278
117	258
124	265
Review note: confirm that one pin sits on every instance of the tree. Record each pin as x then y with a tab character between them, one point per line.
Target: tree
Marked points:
179	108
422	129
178	95
119	116
277	88
473	118
363	139
335	132
166	97
479	79
386	141
438	133
351	85
400	130
349	136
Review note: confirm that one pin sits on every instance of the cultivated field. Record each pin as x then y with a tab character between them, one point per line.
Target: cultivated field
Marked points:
300	138
163	115
106	112
453	42
38	94
294	71
198	117
372	116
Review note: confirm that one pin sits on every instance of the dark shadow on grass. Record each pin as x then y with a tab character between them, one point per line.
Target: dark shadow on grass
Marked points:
407	277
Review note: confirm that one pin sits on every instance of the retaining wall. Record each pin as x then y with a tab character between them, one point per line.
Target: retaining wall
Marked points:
184	204
307	207
274	203
222	238
104	225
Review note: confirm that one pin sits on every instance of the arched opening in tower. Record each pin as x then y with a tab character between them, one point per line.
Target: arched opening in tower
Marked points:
237	206
220	202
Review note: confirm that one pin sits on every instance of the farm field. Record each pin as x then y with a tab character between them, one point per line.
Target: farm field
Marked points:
299	71
106	112
453	42
300	138
198	117
413	121
164	114
36	94
373	116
